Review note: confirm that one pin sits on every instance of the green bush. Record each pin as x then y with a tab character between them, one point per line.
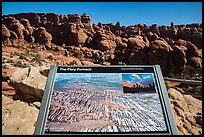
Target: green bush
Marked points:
9	61
50	57
187	73
20	65
37	57
22	56
73	62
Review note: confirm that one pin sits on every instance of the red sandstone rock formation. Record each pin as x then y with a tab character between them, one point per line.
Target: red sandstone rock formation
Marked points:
176	45
5	35
159	54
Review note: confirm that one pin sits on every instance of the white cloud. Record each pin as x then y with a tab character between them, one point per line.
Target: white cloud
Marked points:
135	77
146	77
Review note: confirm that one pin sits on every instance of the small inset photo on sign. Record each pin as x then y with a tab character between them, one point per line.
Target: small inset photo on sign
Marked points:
138	83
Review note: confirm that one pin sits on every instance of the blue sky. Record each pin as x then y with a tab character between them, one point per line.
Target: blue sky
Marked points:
146	78
127	13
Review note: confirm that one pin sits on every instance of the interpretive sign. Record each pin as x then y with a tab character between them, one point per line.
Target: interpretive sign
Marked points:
105	100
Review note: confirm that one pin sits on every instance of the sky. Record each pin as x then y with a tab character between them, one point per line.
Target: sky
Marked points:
146	78
127	13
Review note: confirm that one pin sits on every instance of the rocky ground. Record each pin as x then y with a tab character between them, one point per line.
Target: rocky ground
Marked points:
31	42
22	90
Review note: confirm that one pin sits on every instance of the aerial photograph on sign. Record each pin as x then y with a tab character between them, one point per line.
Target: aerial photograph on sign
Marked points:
98	102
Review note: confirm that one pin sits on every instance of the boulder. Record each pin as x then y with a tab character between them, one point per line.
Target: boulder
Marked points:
177	99
172	33
52	17
159	54
75	18
76	35
120	52
27	25
195	62
7	73
7	90
163	30
154	29
192	50
197	39
14	38
187	112
44	21
43	37
18	28
5	35
18	118
29	83
104	40
88	52
178	58
85	18
186	34
103	45
136	52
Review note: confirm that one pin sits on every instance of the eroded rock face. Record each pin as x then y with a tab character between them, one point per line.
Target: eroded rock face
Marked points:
6	73
178	58
43	37
187	112
195	62
77	35
197	39
120	52
27	25
18	118
5	35
52	17
159	54
76	30
7	90
18	28
86	21
75	18
104	40
13	38
136	52
29	83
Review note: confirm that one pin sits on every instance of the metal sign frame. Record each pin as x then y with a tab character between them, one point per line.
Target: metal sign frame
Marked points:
167	111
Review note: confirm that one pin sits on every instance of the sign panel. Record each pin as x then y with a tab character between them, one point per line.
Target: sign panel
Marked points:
105	100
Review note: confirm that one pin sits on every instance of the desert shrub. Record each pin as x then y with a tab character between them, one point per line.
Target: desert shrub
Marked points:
191	70
73	62
22	56
187	73
11	55
27	53
37	57
20	65
50	57
33	45
5	66
9	61
17	54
